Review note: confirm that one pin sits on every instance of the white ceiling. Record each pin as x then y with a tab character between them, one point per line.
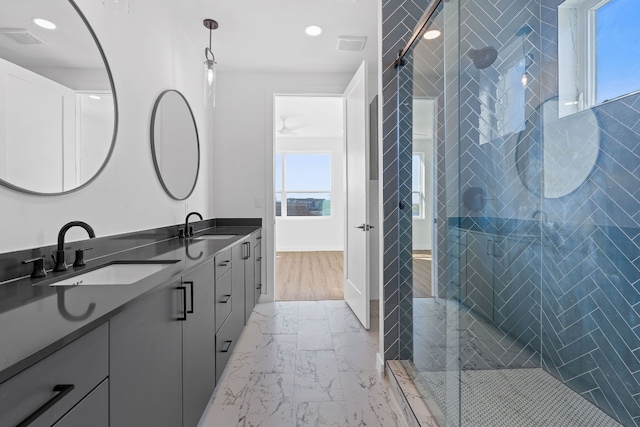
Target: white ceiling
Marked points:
268	35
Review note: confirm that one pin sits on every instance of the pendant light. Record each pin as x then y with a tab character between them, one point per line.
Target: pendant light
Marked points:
209	68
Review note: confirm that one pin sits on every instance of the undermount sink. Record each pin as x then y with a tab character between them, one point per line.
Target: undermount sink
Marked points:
216	236
117	273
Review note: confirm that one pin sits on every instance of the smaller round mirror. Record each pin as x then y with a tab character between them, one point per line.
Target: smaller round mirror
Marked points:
555	157
175	145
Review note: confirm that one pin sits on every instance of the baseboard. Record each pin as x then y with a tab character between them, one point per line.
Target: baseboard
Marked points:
380	364
312	249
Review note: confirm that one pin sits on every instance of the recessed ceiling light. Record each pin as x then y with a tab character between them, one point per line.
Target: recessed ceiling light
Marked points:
44	23
313	30
432	34
95	97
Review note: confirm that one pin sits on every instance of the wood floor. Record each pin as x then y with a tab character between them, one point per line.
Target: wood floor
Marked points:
309	276
422	274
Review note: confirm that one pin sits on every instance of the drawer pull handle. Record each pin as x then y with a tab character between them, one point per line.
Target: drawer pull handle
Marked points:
224	264
191	285
259	286
259	238
259	259
62	390
226	350
184	302
225	299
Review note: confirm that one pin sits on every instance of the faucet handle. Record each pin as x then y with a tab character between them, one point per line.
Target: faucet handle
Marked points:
38	267
79	261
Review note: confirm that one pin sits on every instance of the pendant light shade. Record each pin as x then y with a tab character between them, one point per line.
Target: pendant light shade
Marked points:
209	68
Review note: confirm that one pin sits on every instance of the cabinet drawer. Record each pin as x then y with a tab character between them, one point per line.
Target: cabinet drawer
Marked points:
226	340
223	299
223	262
82	364
92	411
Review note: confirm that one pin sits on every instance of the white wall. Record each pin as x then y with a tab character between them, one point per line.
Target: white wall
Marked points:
422	229
147	53
315	233
243	135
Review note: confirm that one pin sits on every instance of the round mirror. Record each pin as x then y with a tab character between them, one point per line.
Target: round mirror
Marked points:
58	115
175	145
554	157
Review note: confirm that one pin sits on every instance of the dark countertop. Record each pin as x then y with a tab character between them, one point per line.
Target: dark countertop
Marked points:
37	319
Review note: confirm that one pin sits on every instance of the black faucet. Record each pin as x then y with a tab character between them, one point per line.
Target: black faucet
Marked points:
61	265
189	231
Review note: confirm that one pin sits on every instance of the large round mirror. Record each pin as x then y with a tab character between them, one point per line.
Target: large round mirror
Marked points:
554	157
175	145
58	114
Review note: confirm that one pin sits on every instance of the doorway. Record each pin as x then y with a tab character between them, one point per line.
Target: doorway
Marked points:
309	197
422	194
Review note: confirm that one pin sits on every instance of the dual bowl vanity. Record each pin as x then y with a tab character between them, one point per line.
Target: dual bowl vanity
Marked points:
136	337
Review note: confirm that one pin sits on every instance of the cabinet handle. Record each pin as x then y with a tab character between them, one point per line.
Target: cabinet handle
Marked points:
62	390
224	264
184	302
245	252
248	250
259	238
191	286
225	299
489	247
259	286
226	350
259	259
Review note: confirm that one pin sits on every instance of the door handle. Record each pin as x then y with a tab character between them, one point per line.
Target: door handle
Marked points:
364	227
62	390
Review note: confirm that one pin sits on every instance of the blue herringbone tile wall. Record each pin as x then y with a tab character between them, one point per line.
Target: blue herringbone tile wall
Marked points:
567	291
399	18
589	261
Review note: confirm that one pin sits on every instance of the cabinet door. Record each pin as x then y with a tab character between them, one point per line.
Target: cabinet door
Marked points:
198	348
249	278
145	377
479	269
257	273
92	411
237	284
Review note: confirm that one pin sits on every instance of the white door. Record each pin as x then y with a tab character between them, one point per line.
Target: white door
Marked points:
356	254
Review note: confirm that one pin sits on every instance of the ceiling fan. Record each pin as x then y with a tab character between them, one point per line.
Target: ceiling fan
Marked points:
289	130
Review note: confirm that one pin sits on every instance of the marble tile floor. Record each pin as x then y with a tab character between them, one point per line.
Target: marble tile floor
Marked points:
306	363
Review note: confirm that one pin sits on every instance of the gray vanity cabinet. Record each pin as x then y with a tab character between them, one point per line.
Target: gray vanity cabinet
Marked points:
257	273
41	394
248	254
480	252
92	411
198	343
145	351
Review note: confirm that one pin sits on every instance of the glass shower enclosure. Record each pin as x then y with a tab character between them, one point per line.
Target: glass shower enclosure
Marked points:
520	157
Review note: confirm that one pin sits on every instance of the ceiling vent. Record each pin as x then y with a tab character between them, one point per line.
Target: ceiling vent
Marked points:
21	36
351	44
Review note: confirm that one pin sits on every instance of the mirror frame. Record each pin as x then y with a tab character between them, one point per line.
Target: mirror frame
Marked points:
153	144
115	118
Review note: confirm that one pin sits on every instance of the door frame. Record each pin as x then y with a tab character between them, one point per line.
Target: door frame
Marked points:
269	240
